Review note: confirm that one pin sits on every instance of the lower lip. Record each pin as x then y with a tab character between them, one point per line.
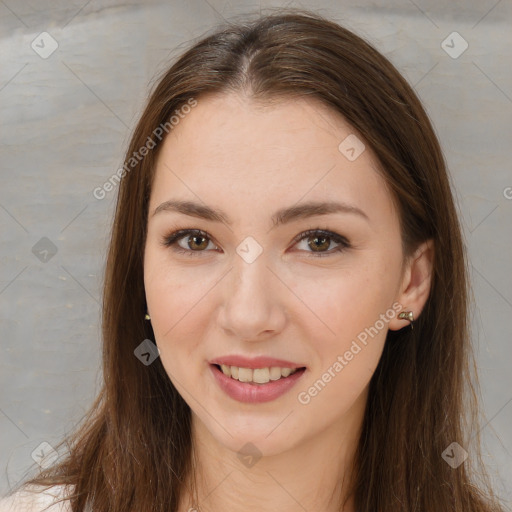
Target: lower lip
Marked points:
255	393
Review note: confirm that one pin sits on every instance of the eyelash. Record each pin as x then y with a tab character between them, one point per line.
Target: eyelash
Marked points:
171	239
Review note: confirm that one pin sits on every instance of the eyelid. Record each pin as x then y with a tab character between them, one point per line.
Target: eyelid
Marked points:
171	240
337	238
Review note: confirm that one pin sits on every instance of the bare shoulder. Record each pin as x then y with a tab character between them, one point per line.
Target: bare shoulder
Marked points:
32	499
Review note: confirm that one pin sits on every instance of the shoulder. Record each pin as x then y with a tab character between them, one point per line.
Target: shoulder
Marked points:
32	499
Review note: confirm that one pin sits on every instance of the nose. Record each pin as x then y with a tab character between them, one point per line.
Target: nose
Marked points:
253	307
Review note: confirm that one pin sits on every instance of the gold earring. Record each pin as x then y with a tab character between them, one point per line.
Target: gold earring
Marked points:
147	317
407	315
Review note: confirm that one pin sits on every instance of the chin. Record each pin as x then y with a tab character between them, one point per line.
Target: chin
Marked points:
253	438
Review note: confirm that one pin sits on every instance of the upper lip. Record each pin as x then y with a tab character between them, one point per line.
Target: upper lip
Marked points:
254	362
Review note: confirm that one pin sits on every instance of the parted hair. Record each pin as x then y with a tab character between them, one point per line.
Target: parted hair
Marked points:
132	452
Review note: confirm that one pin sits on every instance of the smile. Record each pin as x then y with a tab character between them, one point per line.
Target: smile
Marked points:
257	375
255	385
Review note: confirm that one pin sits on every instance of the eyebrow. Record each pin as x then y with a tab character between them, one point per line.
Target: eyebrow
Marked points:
282	216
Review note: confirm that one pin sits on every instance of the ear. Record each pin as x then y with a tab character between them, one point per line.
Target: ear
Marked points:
415	284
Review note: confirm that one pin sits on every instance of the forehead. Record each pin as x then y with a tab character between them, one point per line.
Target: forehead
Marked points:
230	150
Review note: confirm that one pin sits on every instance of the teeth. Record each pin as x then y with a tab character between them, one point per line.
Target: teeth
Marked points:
244	374
226	370
261	375
258	375
275	373
285	372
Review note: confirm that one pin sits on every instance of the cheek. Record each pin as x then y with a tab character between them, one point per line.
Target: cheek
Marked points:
178	306
347	348
340	304
347	332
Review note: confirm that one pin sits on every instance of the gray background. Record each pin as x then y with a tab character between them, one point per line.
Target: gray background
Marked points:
66	119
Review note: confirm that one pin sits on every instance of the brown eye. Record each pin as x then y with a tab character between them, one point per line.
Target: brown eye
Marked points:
194	242
197	242
318	241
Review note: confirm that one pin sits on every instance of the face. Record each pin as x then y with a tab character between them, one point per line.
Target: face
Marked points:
267	275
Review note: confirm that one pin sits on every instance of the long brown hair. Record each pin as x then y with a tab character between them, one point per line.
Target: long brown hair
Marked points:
133	451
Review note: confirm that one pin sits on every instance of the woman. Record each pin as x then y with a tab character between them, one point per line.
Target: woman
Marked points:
285	233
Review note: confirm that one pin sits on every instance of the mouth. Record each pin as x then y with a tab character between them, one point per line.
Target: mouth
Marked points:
255	385
257	376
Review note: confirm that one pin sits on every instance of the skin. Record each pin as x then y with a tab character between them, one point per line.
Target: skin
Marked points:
248	160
